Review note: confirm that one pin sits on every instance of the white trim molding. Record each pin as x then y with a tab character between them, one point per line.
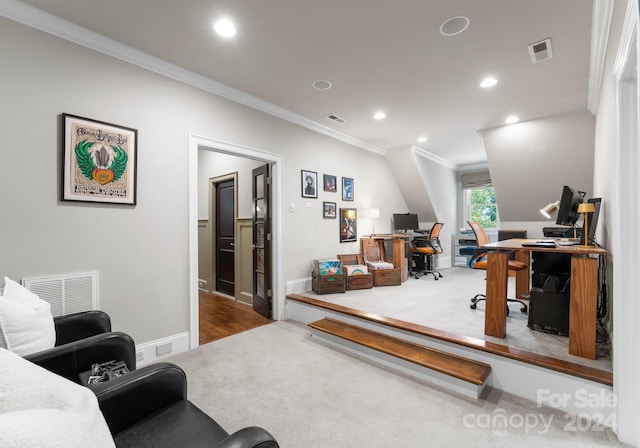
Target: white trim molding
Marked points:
161	348
600	27
277	197
426	154
43	21
624	237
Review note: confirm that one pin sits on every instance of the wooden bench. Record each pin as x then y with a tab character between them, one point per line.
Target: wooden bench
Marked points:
468	376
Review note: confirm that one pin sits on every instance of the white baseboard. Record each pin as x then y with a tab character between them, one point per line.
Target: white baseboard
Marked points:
299	285
161	348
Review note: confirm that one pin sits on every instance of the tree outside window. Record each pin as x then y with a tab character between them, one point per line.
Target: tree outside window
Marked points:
482	207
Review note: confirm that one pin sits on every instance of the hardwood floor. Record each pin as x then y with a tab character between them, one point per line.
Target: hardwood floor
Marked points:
221	317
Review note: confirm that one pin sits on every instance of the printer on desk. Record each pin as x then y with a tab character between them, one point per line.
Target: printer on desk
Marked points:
557	232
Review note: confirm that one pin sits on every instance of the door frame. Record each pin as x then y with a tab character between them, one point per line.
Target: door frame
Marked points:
197	142
213	207
624	235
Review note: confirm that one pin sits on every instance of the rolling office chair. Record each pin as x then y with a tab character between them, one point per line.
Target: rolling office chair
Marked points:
479	261
423	252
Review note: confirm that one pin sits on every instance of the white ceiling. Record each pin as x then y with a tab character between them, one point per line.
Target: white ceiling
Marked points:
378	54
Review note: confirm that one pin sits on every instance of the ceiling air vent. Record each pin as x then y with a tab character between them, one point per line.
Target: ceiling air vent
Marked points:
540	51
335	118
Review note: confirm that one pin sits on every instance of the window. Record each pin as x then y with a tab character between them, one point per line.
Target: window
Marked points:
480	205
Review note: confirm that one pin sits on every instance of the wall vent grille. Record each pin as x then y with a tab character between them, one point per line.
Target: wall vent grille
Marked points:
69	293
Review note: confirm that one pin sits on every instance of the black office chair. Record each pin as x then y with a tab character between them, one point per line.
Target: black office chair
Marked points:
424	250
479	261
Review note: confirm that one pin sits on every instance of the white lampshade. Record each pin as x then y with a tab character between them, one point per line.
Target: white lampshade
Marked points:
550	209
374	213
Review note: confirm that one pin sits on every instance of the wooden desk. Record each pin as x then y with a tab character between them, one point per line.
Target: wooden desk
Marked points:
398	256
582	301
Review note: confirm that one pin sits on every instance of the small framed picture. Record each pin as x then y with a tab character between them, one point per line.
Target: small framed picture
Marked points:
329	210
309	184
330	182
347	189
348	225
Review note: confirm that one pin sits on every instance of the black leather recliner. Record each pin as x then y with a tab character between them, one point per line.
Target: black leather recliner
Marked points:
149	408
83	339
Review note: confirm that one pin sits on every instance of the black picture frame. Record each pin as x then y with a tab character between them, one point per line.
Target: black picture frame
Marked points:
348	225
347	189
329	210
309	184
99	161
330	183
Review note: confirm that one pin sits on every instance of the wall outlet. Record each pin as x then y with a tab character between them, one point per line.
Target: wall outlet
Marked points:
139	356
164	349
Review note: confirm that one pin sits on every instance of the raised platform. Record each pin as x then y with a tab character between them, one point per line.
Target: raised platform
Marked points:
525	374
462	374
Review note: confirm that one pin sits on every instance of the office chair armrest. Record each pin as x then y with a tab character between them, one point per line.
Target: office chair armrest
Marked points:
130	398
476	256
71	359
84	324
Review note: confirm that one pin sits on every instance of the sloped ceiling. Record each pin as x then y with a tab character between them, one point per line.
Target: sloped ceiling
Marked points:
530	162
409	179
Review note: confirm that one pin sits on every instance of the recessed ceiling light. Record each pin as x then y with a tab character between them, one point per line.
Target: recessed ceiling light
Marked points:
380	115
224	28
322	84
512	119
422	139
489	81
454	26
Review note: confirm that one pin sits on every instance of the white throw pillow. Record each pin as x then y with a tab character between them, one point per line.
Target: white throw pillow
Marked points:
41	409
26	323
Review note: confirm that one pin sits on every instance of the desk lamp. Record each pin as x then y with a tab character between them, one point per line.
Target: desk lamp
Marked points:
374	213
586	208
550	209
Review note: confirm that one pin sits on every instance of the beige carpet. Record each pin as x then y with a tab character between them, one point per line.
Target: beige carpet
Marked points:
444	305
310	395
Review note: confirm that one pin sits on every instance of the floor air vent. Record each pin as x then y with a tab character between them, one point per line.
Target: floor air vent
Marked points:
540	51
67	294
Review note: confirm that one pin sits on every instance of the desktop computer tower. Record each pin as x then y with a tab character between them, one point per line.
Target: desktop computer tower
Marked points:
549	306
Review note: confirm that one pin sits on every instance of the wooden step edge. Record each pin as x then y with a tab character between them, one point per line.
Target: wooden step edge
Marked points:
464	369
536	359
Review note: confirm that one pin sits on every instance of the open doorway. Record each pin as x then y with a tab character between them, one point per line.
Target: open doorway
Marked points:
231	158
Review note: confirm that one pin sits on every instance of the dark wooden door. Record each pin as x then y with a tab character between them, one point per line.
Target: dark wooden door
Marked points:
225	237
261	222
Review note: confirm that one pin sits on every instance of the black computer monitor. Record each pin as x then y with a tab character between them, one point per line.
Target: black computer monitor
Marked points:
568	212
405	222
593	220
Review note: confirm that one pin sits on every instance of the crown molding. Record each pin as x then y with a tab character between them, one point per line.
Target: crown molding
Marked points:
426	154
48	23
600	27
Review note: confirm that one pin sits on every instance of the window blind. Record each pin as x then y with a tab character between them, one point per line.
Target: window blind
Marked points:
475	180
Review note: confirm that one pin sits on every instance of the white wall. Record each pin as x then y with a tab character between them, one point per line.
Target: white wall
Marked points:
141	252
441	183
